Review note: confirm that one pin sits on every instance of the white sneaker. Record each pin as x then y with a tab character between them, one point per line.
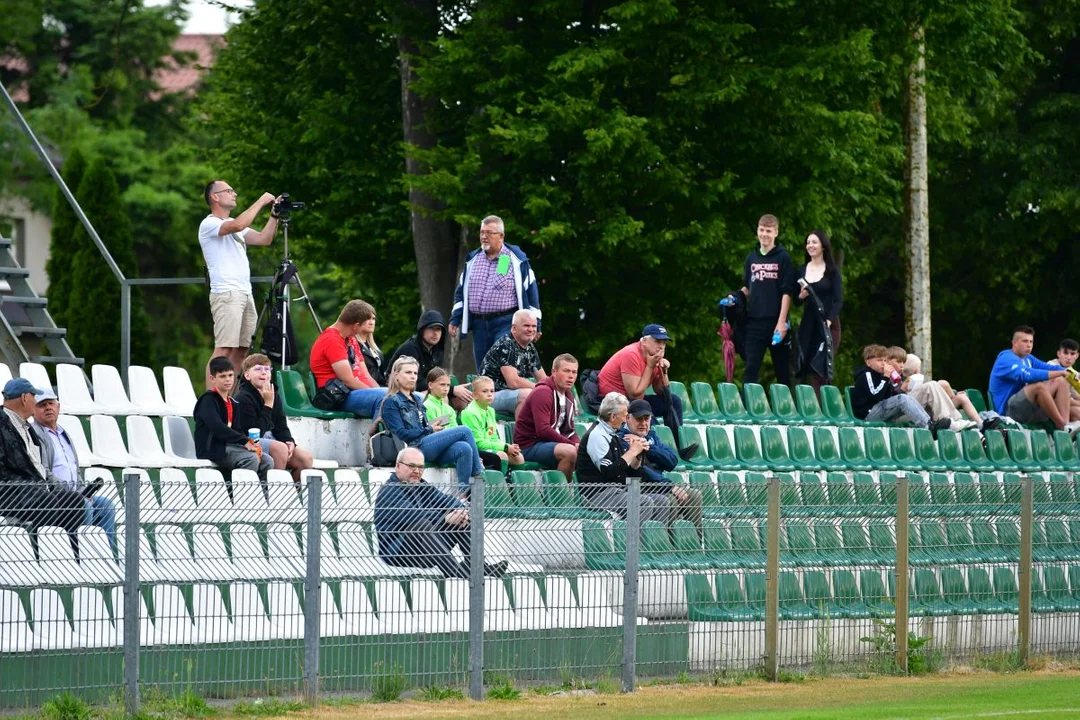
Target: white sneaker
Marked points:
1072	427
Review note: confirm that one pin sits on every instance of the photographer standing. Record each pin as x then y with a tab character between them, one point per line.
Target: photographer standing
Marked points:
224	242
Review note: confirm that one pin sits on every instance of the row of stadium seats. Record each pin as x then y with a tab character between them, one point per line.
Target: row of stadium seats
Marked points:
109	396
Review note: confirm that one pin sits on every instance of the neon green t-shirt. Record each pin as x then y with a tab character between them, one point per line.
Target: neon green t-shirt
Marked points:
436	408
485	428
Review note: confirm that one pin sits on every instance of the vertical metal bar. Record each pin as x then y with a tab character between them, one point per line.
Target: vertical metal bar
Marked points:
772	579
476	589
630	583
132	606
125	329
1027	520
903	517
312	582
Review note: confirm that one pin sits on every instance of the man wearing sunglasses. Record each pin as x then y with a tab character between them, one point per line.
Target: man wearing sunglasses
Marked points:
224	240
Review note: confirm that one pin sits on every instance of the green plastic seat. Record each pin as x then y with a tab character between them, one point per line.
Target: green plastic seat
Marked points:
1020	450
801	551
961	542
887	485
851	450
856	545
951	453
828	455
731	500
967	493
687	545
599	553
800	450
1005	590
717	544
832	405
498	501
926	450
818	596
757	403
690	413
943	497
928	600
656	548
721	453
757	493
866	491
1042	453
827	544
882	542
919	503
806	401
996	451
933	548
295	399
813	494
842	496
790	499
583	410
955	593
991	493
1008	532
773	449
1057	547
747	450
689	436
741	606
710	504
527	495
987	549
732	409
977	399
982	592
700	602
902	445
1010	485
704	403
1065	451
793	604
1063	493
783	404
1040	492
877	449
974	453
1056	587
562	501
851	410
846	595
746	543
875	597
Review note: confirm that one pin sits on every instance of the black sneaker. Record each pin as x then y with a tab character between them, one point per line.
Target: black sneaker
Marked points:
688	452
937	425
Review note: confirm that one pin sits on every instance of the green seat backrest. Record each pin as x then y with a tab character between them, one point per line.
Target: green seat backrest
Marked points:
1062	490
832	404
816	588
1010	485
873	587
976	397
847	400
757	404
293	392
877	450
557	491
799	448
996	449
953	587
772	445
790	590
1074	580
887	484
901	441
595	539
841	491
746	445
1057	586
949	449
1019	445
982	534
979	584
990	490
853	534
704	402
699	591
1040	490
618	537
789	491
1065	449
882	538
744	536
731	404
729	491
941	492
933	535
756	489
686	537
825	446
526	490
663	433
679	390
973	447
813	490
496	493
1005	585
918	490
826	536
798	537
1008	533
926	586
1057	535
729	591
703	483
783	405
966	491
655	540
926	448
806	401
866	490
719	444
715	536
851	448
580	429
1041	452
755	590
845	590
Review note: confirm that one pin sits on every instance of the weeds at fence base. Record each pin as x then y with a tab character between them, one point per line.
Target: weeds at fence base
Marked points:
389	684
922	656
503	689
188	704
435	693
66	706
266	707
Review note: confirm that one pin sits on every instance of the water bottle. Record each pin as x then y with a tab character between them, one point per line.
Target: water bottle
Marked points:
726	301
255	435
776	338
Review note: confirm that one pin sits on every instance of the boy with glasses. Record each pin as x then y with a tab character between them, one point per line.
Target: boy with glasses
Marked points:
258	405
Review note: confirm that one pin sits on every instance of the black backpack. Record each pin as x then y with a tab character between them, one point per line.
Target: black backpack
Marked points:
279	320
590	389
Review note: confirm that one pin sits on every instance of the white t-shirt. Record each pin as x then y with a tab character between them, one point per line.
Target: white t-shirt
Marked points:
226	257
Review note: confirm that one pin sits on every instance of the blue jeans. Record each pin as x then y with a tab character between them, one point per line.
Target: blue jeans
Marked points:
365	402
897	406
453	445
485	331
101	512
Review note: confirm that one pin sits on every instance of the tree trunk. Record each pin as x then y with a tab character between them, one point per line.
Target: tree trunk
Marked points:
917	212
434	241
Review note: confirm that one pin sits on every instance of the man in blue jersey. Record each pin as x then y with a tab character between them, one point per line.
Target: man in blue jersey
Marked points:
1029	390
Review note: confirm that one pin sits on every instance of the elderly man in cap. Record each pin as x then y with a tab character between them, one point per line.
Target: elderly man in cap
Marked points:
62	464
657	460
640	364
24	493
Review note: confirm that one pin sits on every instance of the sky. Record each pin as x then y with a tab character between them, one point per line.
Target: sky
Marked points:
207	18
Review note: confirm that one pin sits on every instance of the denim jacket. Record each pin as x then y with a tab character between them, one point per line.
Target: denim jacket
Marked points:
405	418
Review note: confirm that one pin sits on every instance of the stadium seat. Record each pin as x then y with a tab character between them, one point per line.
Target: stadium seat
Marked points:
73	392
109	391
690	413
1005	590
841	494
882	542
721	454
733	501
856	545
812	490
828	455
875	597
832	405
656	548
746	543
1056	588
783	404
847	597
801	552
701	604
942	497
37	375
755	593
710	503
967	494
146	393
1021	451
747	450
877	449
991	492
295	400
716	543
108	444
977	400
902	445
851	450
926	450
951	453
800	449
773	449
806	400
1065	451
687	545
179	392
757	403
1042	453
1063	494
599	554
974	453
561	497
818	596
827	544
733	602
732	409
996	451
981	592
793	605
74	429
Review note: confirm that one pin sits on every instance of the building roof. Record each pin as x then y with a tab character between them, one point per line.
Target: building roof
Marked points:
182	79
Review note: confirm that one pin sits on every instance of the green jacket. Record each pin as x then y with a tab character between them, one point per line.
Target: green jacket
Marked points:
484	428
436	408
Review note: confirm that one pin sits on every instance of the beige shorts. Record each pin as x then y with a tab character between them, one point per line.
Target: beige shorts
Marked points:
234	319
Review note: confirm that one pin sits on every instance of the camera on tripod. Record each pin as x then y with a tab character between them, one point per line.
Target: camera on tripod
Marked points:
284	206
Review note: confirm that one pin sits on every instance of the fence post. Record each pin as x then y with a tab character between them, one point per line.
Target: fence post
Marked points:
772	579
1027	520
125	329
312	590
903	516
630	583
476	589
132	606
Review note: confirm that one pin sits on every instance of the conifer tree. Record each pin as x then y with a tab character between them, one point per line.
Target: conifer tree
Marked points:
62	249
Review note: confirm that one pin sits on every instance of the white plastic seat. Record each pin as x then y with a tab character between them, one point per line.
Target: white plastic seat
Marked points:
211	618
176	498
58	559
331	622
249	618
211	556
249	502
598	608
286	614
330	565
73	393
180	443
5	374
149	571
96	556
108	489
73	426
457	604
52	630
145	393
174	559
172	624
356	554
179	392
285	504
499	613
285	556
108	444
212	496
151	511
394	614
144	445
356	610
561	604
109	391
428	612
530	609
15	633
248	556
36	374
93	626
20	568
351	504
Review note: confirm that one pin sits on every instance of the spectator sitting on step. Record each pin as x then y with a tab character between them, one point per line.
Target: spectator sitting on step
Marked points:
61	463
217	436
545	426
633	369
337	354
427	348
435	399
936	396
417	525
875	398
479	417
24	494
403	413
257	405
514	365
658	459
1029	390
1067	353
605	460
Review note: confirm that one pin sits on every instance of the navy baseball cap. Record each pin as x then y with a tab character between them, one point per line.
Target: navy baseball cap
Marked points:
656	332
17	387
639	408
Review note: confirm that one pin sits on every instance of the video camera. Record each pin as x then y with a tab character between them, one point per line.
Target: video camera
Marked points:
284	206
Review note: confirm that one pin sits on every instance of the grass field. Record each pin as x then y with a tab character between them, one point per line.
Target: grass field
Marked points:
1039	695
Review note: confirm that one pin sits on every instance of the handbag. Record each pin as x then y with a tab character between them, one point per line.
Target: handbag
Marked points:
383	447
332	395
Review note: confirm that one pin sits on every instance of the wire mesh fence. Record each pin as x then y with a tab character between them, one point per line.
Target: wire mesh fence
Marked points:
361	581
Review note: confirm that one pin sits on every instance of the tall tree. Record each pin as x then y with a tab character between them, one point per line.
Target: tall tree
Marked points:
917	322
62	247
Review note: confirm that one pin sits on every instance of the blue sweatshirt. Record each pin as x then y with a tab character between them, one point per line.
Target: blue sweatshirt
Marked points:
398	505
659	458
1011	373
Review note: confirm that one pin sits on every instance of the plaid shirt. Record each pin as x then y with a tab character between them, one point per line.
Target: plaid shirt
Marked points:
507	352
489	291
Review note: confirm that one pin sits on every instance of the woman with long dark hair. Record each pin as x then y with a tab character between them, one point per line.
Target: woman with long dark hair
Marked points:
821	317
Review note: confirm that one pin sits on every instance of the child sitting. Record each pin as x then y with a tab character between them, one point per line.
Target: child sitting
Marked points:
936	396
436	405
874	397
479	417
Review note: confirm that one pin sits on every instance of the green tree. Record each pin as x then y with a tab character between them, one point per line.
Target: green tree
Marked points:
94	314
62	248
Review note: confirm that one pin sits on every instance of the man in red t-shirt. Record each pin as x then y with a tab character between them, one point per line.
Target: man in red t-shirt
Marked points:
633	369
336	354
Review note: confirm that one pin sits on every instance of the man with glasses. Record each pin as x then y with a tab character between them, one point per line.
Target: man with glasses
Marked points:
224	240
497	281
418	525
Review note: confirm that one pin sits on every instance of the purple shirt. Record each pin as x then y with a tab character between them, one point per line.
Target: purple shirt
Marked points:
489	290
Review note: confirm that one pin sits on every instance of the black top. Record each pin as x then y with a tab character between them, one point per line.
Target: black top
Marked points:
810	354
212	431
250	411
768	278
373	359
829	289
870	388
414	347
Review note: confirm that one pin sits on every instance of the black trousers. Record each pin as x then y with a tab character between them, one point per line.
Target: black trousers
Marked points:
667	406
759	334
428	545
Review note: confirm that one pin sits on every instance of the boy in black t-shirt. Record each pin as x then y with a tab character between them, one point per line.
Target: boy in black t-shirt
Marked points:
875	398
769	284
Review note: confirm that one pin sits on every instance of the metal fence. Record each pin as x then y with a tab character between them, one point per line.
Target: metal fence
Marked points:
242	588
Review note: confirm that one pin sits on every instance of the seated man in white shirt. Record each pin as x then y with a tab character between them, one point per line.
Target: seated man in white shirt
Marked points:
62	464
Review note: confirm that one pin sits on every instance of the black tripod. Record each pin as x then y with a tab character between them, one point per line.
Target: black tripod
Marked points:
276	307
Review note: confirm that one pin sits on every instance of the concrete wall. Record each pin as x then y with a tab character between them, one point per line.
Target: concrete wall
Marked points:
31	247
